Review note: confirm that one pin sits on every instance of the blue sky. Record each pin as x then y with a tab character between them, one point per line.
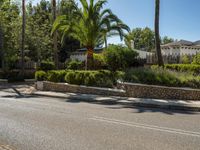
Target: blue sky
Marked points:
180	19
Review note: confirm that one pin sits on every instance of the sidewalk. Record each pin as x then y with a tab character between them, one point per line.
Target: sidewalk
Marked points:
165	104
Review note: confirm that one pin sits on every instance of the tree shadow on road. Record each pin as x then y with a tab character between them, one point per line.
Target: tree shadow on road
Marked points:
138	108
13	92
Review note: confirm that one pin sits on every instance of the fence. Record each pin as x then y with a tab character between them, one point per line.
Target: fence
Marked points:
169	59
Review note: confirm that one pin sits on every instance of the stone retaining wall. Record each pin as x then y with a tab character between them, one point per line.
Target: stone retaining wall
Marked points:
129	90
64	87
159	92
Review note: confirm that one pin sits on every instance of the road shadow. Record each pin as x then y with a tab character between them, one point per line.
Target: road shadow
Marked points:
138	108
15	93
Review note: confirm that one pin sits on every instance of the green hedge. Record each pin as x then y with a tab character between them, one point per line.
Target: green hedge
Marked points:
102	78
162	77
46	65
191	68
40	75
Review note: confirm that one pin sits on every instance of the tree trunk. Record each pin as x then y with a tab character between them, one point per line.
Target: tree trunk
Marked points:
55	42
157	34
23	36
89	60
1	48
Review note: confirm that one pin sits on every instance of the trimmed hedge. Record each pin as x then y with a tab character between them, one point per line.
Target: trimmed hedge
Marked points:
40	75
191	68
46	65
102	78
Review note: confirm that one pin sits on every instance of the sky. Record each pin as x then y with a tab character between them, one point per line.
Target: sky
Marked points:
179	19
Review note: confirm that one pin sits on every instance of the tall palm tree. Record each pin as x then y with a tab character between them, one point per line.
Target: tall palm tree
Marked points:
23	36
90	25
55	43
157	35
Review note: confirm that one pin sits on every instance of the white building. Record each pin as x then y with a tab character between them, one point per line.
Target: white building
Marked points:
181	47
81	54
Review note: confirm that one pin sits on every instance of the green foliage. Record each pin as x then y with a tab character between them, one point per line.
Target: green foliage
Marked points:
56	76
166	40
90	78
196	59
75	65
46	65
102	78
185	59
118	57
40	75
143	39
190	68
90	24
162	77
99	61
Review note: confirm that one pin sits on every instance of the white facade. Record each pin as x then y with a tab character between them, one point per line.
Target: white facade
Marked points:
143	54
180	48
78	56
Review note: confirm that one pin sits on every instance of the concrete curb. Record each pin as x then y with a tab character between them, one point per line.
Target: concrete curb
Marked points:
131	102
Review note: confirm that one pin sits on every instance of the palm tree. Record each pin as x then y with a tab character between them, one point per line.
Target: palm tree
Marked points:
55	44
90	25
23	36
157	35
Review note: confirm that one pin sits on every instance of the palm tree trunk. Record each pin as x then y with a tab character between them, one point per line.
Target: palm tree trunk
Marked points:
55	42
157	34
89	61
106	43
23	36
1	48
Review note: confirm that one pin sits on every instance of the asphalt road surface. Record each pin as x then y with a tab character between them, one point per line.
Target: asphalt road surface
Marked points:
38	123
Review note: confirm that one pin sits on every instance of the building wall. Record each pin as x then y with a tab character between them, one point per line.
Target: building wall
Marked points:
174	51
143	54
78	56
189	51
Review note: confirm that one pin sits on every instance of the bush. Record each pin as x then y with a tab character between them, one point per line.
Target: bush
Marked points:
99	62
162	77
191	68
46	66
75	65
40	75
185	59
102	78
56	76
90	78
196	60
118	57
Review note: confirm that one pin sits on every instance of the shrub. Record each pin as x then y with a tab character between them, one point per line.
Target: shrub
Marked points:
162	77
118	57
185	59
56	76
46	65
75	65
101	78
99	62
196	59
40	75
191	68
90	78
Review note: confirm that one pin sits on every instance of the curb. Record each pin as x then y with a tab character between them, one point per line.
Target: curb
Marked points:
123	102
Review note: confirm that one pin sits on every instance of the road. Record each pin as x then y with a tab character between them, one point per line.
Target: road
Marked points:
38	123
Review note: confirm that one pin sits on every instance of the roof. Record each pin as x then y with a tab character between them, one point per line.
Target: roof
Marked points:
197	43
180	43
